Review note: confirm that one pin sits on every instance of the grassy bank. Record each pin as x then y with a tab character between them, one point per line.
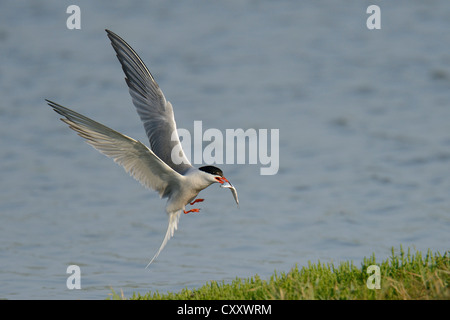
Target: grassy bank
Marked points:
404	275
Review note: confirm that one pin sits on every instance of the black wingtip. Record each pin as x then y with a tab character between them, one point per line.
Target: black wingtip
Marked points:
56	107
49	102
112	35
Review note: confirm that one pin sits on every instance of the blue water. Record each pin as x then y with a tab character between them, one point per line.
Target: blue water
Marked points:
364	139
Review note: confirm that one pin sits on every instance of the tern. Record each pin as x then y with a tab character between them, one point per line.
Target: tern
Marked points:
153	167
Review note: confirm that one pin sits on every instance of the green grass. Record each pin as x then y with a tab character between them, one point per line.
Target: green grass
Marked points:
403	276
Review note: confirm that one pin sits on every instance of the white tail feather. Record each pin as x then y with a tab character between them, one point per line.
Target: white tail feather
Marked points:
174	217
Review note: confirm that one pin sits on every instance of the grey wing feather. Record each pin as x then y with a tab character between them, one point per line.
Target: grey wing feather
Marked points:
136	158
155	112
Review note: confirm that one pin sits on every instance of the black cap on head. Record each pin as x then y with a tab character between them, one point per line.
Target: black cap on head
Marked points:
212	170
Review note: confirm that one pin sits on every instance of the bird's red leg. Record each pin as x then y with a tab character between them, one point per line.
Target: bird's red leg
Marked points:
197	200
192	210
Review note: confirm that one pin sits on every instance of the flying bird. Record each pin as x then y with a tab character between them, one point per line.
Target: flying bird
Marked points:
153	167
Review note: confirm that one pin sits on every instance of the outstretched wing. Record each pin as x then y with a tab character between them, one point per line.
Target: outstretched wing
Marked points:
155	112
136	158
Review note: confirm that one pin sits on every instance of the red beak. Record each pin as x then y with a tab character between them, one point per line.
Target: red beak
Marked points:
222	180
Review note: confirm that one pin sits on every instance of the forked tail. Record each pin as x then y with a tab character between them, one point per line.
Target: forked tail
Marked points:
173	223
